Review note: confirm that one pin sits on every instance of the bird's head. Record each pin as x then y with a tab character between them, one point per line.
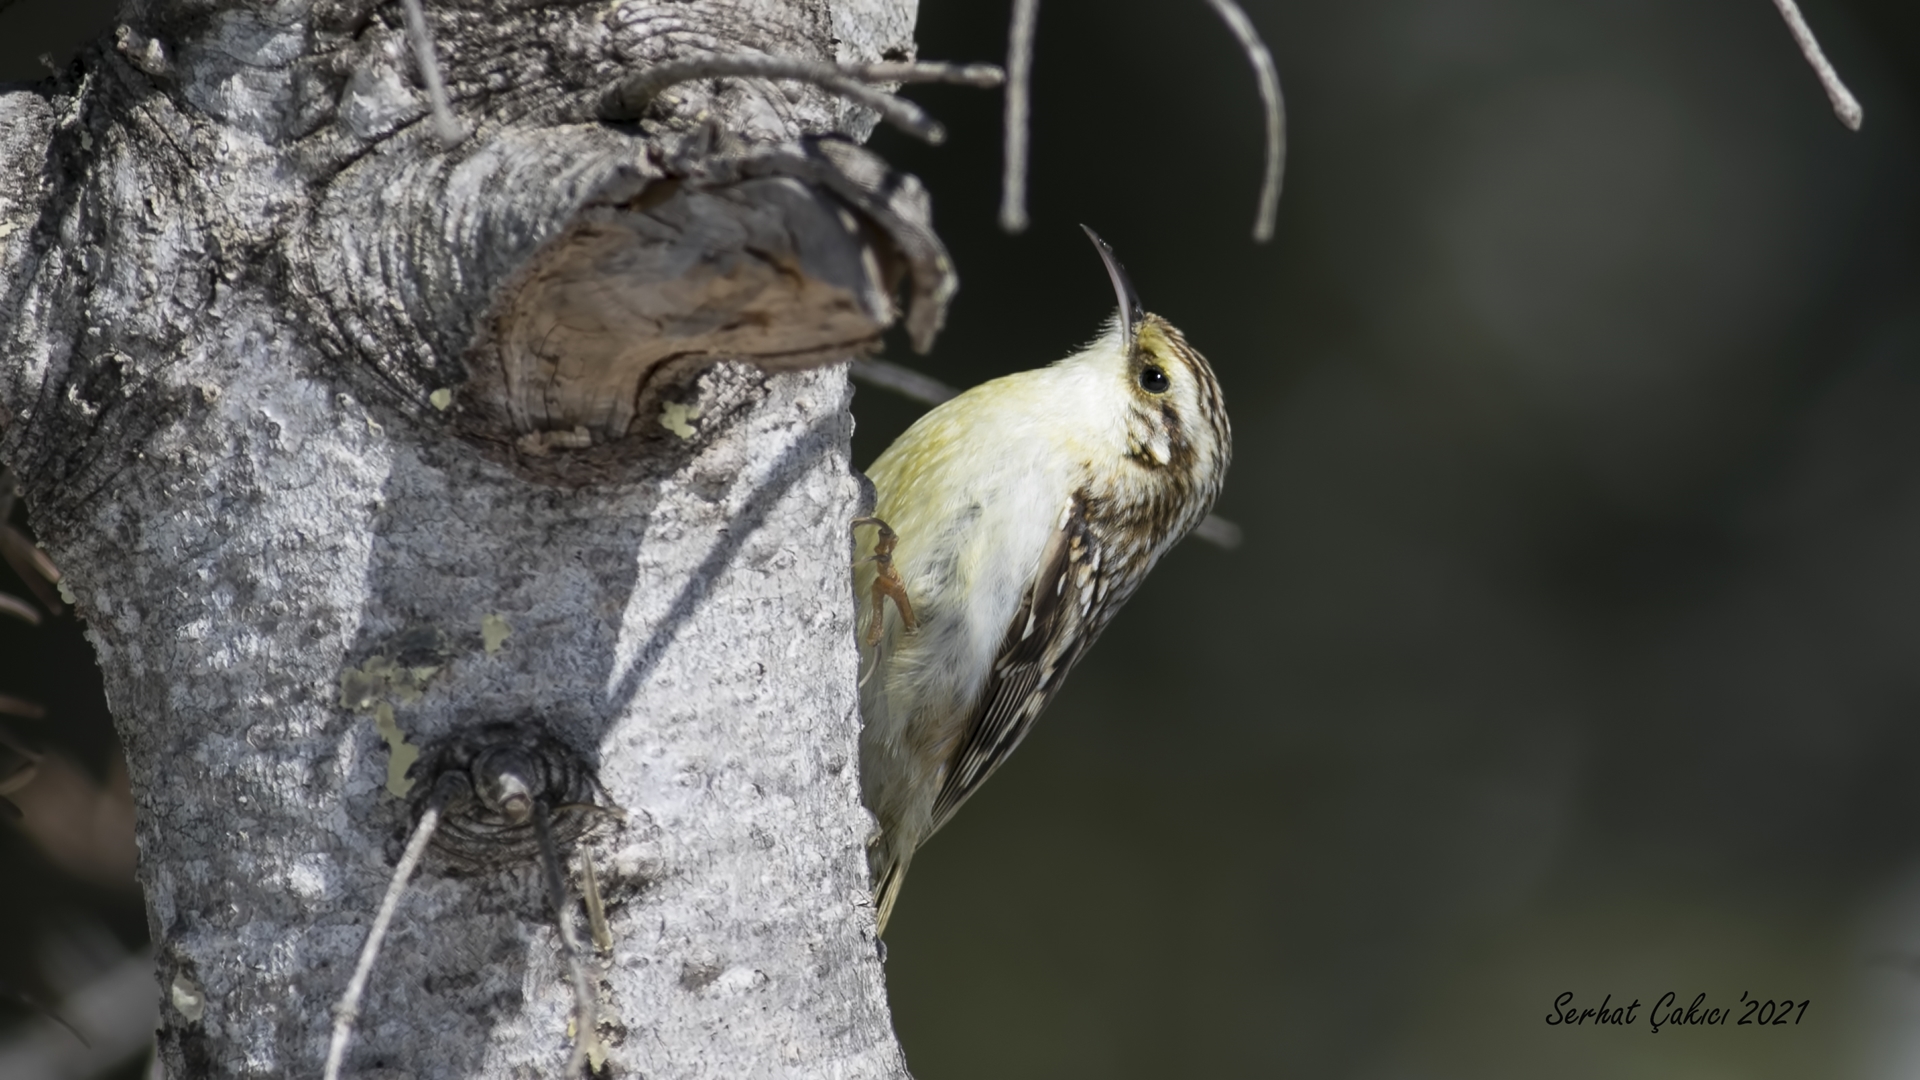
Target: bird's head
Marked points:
1175	420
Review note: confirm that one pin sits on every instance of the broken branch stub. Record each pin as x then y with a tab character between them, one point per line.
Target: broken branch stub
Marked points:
786	257
507	766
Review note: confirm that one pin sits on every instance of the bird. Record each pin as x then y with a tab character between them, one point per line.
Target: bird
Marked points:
1014	520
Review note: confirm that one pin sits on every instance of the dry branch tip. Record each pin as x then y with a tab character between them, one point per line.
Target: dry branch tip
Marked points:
347	1012
444	124
1019	107
1268	78
1845	105
629	98
586	1023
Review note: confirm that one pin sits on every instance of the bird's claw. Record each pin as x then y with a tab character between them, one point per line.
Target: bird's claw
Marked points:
887	583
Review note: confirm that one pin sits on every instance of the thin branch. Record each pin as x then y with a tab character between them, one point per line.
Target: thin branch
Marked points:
348	1011
1845	106
904	381
586	1023
35	569
19	998
19	778
29	764
597	927
13	706
444	124
627	99
26	556
1269	80
982	76
1013	181
1219	532
928	390
19	609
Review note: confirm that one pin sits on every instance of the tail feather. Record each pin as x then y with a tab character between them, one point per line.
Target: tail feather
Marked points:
886	889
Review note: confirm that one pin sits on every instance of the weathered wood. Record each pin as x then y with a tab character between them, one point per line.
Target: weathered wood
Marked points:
236	268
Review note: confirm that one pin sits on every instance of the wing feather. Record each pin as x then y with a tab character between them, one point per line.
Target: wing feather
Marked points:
1053	626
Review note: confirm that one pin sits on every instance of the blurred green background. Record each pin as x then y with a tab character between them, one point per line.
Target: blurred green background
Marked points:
1573	643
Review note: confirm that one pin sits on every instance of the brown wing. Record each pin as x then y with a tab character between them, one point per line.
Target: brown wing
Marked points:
1065	609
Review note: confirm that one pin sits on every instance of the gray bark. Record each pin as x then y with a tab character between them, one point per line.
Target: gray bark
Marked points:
236	268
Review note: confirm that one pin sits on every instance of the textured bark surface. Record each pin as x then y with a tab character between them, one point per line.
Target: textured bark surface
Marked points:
236	267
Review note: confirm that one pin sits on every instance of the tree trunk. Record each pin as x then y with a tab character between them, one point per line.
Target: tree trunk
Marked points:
343	437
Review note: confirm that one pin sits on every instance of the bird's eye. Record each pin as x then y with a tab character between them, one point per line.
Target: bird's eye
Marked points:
1153	380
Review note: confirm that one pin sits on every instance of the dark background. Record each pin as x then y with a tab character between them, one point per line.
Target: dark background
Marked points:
1573	643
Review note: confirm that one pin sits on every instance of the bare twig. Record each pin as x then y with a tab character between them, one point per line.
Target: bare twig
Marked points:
1219	532
983	76
1013	181
1019	108
35	569
444	124
19	609
19	778
1845	106
904	381
597	927
26	556
928	390
18	997
1269	80
345	1013
586	1024
627	99
27	710
29	764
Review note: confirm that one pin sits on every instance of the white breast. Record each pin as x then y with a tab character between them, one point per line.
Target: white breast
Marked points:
976	489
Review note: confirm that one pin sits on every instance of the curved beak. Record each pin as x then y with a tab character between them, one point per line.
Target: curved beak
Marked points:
1131	313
